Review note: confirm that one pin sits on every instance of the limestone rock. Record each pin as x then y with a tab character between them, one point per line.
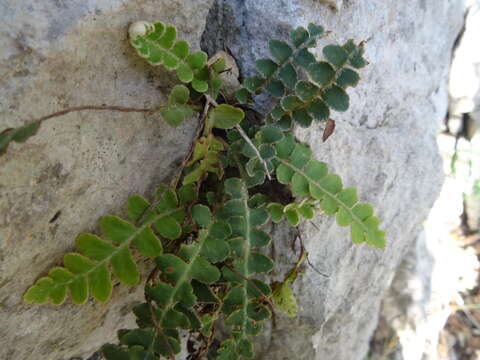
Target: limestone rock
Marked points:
58	54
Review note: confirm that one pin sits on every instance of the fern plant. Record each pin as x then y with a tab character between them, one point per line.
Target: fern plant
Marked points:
203	231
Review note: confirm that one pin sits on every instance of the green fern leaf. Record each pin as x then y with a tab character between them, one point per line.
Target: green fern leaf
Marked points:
89	270
279	75
177	109
325	88
226	116
310	177
242	305
157	44
18	135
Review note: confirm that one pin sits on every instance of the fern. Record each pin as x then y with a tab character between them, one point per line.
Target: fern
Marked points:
279	74
157	44
88	270
242	306
204	236
305	100
325	87
18	135
310	177
174	294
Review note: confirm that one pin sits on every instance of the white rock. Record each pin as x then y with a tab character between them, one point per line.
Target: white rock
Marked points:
58	54
53	55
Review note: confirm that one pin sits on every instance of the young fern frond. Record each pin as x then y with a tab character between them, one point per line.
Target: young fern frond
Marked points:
206	152
156	43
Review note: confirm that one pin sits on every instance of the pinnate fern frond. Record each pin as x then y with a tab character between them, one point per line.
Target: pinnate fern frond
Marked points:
156	43
182	284
325	83
325	86
279	74
88	271
294	165
243	304
310	177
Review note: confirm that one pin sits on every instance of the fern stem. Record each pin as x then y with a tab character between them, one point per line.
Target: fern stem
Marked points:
254	148
97	107
159	330
245	137
347	208
184	277
245	261
265	297
125	244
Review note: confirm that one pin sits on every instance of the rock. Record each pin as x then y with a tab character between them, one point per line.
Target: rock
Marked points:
433	274
464	91
58	54
230	82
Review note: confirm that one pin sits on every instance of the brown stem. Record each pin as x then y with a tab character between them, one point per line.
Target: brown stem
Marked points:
299	236
160	332
153	275
5	131
96	107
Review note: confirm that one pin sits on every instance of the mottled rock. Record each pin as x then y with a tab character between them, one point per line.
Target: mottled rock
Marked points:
58	54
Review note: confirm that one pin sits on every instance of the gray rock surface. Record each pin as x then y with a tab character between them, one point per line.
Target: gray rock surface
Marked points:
57	54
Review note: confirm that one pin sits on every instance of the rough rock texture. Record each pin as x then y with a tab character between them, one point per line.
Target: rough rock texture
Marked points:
464	109
57	54
427	282
439	268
